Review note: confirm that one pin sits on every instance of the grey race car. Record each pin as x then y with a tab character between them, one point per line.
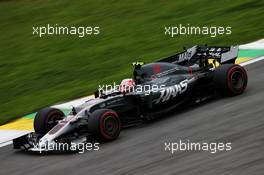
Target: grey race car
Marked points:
189	77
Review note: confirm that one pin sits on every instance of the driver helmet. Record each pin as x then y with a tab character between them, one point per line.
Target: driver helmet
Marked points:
127	85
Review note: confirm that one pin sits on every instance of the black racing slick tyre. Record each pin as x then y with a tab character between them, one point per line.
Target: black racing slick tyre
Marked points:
104	125
230	79
46	119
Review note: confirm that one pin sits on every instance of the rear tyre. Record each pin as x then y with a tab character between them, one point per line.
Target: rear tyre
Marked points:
46	119
230	79
104	125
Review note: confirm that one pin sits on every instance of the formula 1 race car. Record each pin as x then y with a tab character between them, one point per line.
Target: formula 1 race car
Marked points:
189	77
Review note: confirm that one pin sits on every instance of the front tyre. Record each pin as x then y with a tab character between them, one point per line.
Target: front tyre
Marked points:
230	79
104	125
46	119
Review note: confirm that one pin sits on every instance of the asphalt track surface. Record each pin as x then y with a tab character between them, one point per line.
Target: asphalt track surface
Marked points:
140	150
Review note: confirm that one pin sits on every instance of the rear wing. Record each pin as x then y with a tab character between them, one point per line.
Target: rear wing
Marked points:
202	53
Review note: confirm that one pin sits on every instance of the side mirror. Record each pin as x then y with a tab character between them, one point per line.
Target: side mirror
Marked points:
96	94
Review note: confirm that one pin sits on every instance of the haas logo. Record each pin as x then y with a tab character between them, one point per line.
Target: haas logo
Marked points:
172	91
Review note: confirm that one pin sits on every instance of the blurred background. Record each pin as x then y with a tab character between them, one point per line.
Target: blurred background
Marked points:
38	72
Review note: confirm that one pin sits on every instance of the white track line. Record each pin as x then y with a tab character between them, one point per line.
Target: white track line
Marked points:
254	45
6	136
252	61
5	143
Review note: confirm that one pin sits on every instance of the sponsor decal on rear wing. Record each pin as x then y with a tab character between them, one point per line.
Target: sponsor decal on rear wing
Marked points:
197	53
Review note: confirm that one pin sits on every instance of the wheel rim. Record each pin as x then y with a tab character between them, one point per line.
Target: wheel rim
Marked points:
111	125
237	80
